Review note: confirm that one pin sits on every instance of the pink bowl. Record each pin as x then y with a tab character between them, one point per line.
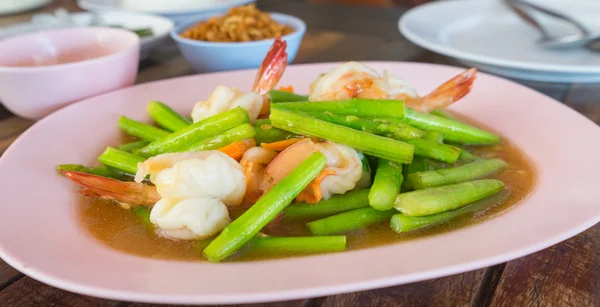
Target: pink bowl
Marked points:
44	71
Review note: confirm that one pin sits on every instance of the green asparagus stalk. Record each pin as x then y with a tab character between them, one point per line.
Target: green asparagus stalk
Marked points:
348	221
466	155
103	170
334	205
195	132
128	147
282	96
440	199
141	130
264	132
444	114
386	186
357	107
403	223
166	117
223	139
434	136
143	215
458	174
454	131
370	144
397	130
419	164
298	245
120	160
434	150
245	227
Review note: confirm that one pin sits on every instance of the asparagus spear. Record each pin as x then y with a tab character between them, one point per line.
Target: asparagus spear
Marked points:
143	215
103	170
419	164
120	160
466	155
444	114
397	130
241	230
435	136
453	130
349	221
386	185
282	96
458	174
434	150
223	139
264	132
336	204
141	130
440	199
166	117
195	132
357	107
404	223
297	245
133	145
370	144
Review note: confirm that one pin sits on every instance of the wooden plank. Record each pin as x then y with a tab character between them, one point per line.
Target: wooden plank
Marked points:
460	290
567	274
10	129
29	292
8	275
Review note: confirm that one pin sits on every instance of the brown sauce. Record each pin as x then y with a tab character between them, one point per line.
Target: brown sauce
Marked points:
121	229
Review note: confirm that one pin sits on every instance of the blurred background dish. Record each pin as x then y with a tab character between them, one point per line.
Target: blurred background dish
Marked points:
18	6
152	29
176	10
207	56
44	71
488	35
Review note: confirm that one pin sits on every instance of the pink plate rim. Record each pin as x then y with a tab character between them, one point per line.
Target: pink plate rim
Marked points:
68	258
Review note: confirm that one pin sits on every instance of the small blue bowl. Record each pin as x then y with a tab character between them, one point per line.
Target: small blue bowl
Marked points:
215	56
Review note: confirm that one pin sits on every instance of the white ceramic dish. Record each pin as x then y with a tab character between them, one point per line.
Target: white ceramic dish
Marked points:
59	252
486	34
18	6
177	10
161	27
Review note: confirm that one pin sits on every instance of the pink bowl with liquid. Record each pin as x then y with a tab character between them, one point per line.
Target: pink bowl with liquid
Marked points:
45	71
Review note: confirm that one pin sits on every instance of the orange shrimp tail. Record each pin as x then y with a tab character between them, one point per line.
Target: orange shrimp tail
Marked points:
272	67
449	92
132	193
312	194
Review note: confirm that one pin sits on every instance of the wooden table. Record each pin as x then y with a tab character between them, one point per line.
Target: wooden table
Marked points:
567	274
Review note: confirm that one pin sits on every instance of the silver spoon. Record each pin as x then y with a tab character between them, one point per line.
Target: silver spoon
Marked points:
548	41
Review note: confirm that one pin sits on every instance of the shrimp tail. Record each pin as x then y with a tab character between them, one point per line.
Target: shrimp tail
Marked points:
272	68
449	92
132	193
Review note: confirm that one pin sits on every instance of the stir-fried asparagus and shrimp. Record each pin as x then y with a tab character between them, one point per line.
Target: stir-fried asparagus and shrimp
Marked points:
361	152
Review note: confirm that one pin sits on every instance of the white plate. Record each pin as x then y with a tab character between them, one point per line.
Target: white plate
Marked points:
177	10
488	35
161	27
41	236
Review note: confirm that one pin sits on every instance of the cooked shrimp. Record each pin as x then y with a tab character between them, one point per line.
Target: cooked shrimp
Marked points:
356	80
131	193
189	219
341	173
254	162
255	102
195	174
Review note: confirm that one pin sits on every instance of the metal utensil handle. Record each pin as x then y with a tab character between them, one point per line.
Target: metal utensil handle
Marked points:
527	17
575	23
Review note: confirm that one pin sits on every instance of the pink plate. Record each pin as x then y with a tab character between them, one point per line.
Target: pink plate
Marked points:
41	237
